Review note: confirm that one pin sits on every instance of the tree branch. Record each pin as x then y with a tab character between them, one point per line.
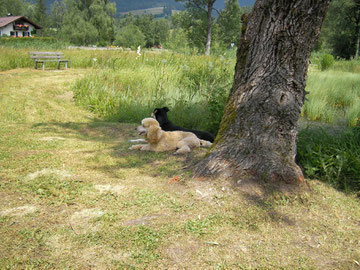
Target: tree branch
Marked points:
218	12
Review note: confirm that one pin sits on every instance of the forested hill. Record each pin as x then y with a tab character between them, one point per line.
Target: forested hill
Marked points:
126	5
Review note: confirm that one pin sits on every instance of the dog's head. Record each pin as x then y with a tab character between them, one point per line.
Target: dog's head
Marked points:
160	115
151	128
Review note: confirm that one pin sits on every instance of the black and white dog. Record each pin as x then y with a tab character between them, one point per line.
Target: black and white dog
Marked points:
160	115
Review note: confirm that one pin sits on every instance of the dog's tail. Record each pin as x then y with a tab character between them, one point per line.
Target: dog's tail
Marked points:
205	143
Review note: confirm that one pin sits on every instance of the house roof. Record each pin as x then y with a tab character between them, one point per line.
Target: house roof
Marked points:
6	20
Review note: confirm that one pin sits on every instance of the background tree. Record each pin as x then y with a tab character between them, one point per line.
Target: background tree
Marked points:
206	7
40	16
57	14
102	14
177	39
229	23
341	31
89	22
76	27
130	36
194	25
257	136
15	7
161	30
146	25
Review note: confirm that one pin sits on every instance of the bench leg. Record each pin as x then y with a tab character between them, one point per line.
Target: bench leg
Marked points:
58	65
43	66
35	65
65	65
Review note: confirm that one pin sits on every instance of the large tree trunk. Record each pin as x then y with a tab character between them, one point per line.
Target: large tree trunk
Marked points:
257	136
210	4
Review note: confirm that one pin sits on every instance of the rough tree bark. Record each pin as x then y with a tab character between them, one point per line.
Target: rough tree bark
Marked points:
257	135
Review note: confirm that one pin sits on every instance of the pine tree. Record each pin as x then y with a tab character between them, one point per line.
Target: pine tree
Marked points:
40	15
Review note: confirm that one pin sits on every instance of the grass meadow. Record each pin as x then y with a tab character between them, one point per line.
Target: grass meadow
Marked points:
126	87
73	196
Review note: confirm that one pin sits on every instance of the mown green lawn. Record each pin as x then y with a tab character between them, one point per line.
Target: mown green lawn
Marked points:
72	196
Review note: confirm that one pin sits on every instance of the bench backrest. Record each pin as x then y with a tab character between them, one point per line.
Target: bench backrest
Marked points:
46	55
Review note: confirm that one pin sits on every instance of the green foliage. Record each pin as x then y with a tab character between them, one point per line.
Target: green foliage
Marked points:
177	41
90	23
341	28
326	61
334	158
229	23
194	25
153	31
101	17
57	14
15	7
40	14
130	36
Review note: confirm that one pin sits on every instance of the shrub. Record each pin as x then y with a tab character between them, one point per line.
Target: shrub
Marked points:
130	36
32	42
331	156
326	61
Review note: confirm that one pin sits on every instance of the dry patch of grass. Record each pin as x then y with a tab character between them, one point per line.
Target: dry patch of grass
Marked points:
73	196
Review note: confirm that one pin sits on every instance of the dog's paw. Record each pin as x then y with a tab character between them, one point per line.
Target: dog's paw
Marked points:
205	143
138	140
136	147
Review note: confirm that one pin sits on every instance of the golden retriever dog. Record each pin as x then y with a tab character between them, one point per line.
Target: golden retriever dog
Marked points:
159	140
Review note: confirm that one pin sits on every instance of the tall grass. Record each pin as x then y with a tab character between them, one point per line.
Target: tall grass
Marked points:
334	95
331	156
194	88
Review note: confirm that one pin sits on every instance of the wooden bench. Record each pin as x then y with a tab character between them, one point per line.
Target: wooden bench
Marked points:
42	57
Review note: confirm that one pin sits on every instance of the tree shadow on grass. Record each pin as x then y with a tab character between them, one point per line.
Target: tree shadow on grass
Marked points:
114	138
267	199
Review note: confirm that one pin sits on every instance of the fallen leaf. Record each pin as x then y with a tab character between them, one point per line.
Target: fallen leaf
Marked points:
175	179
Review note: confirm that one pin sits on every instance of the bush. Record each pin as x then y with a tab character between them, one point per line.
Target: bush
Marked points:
332	158
326	61
131	37
32	42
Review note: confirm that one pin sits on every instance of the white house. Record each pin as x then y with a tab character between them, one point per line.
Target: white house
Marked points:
17	26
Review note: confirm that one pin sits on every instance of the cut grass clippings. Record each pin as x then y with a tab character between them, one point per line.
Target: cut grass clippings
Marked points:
72	195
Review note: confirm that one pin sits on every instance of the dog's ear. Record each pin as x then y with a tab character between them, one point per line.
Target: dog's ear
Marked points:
153	134
166	109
